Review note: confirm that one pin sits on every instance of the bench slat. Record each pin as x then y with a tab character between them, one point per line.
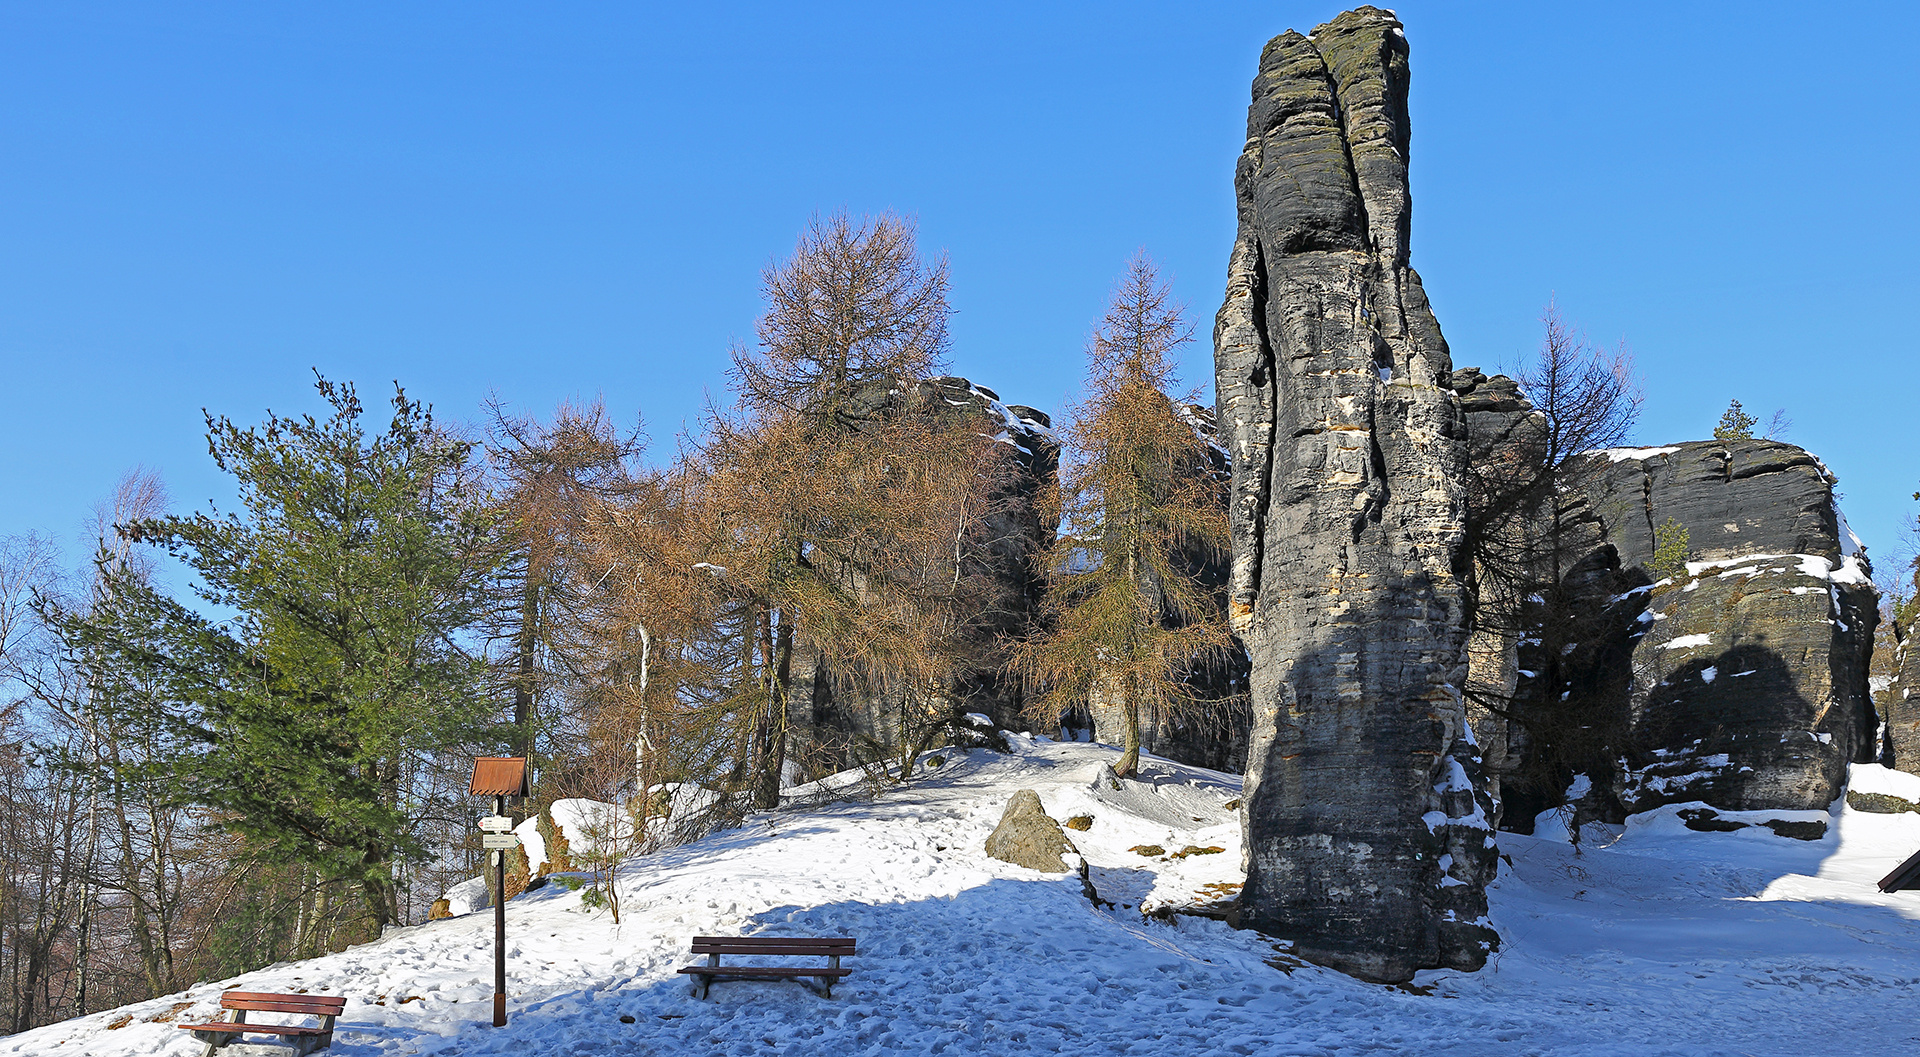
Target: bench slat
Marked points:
751	942
747	943
263	1002
761	970
256	1029
817	952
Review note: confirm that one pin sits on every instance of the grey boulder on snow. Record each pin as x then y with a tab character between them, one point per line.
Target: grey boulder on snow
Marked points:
1027	836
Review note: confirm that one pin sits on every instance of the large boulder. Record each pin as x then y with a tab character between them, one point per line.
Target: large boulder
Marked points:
1027	836
1368	824
1742	678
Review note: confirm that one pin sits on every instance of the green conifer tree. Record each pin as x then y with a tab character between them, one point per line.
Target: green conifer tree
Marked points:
1735	424
317	674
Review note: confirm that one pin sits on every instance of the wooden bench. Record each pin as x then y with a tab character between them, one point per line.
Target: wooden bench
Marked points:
744	946
303	1039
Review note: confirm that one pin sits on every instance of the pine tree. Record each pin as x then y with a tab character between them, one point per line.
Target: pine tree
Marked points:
1132	621
1735	424
307	716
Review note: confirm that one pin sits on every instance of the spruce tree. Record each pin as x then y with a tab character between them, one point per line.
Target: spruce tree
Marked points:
1735	424
317	673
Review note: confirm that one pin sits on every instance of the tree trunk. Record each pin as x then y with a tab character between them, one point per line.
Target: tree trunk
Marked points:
1129	764
777	647
526	664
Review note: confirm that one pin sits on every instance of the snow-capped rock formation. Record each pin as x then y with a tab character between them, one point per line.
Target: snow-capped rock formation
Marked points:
1742	676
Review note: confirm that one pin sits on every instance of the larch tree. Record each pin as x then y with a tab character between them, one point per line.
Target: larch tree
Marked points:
1131	618
547	478
819	515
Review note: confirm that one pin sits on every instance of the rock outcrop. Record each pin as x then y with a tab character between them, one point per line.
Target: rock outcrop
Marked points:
1368	825
1027	836
1742	677
1502	431
1900	702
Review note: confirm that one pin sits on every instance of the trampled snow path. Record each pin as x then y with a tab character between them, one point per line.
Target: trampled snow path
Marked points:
1664	942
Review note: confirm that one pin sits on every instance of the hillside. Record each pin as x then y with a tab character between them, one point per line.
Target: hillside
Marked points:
1655	940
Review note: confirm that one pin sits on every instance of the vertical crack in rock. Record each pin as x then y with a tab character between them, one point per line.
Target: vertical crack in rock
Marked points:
1369	838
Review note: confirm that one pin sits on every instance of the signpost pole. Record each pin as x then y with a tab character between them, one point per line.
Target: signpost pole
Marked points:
499	777
500	926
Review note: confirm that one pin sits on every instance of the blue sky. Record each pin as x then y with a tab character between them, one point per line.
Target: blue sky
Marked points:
199	204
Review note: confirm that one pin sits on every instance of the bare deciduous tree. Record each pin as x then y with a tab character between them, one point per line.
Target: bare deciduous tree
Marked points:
1528	587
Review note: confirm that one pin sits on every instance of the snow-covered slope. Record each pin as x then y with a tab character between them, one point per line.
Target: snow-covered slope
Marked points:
1663	941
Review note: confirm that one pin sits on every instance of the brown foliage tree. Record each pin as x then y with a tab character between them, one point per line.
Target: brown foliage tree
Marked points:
1131	618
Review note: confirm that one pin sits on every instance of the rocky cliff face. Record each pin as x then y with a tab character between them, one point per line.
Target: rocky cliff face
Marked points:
1368	836
1500	423
1901	704
1743	676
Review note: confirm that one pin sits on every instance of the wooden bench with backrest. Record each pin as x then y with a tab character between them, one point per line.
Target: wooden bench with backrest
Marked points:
304	1039
832	949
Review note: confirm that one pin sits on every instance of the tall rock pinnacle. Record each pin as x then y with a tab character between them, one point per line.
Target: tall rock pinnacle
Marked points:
1369	839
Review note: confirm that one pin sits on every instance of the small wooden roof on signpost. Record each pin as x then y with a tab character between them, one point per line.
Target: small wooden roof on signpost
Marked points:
499	776
1904	878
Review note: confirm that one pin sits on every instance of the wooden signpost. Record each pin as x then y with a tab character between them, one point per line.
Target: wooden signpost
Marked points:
499	777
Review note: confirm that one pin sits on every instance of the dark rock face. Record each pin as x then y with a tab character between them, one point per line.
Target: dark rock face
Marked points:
834	716
1901	702
1369	840
1745	677
1500	420
1027	836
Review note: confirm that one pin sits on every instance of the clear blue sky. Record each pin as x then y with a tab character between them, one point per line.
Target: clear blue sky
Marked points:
201	203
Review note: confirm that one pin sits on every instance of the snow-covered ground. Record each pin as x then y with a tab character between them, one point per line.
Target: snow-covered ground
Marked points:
1655	941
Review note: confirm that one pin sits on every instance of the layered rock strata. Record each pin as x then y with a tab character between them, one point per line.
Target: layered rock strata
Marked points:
1502	431
1901	703
1743	675
1367	820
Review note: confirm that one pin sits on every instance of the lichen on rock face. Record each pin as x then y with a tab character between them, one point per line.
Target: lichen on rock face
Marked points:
1369	837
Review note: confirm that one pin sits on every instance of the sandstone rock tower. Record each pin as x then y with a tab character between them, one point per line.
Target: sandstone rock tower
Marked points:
1369	839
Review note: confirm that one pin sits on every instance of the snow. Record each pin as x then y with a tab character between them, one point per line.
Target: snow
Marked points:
1651	940
1873	778
1709	673
1686	642
1850	544
1623	454
1849	571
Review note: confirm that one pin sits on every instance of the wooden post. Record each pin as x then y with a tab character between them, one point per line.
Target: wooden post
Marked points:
500	927
499	777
